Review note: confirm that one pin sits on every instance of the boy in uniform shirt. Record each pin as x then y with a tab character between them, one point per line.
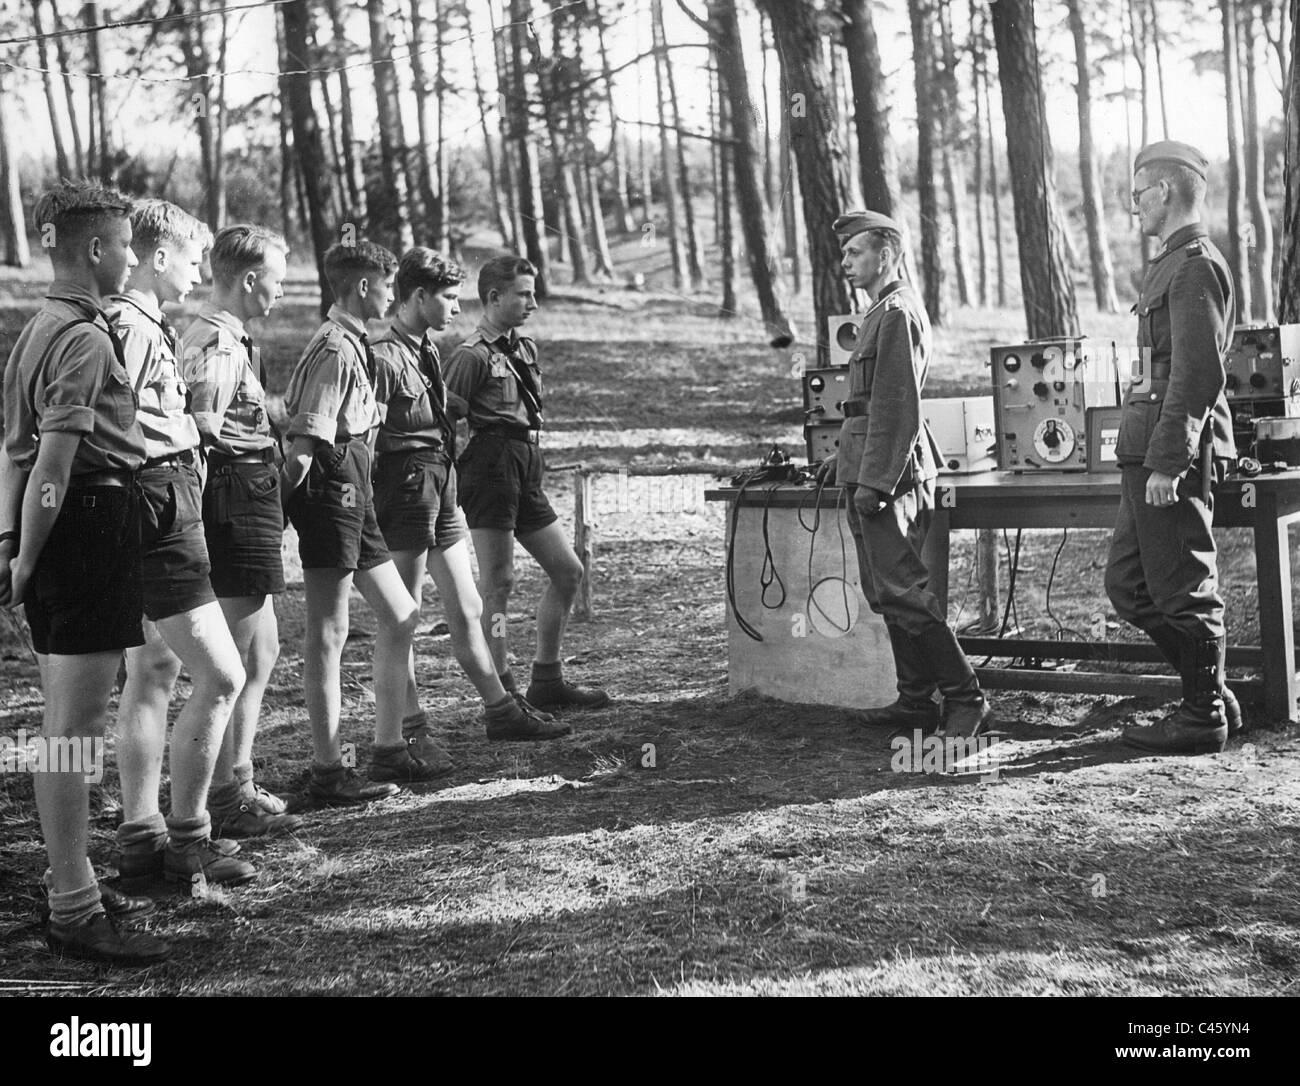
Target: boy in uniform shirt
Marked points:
326	482
184	624
70	540
493	380
415	496
243	517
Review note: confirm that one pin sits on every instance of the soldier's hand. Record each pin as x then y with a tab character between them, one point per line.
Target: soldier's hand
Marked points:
1162	489
869	502
826	473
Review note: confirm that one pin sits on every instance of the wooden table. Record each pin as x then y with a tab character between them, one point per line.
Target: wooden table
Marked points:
1267	505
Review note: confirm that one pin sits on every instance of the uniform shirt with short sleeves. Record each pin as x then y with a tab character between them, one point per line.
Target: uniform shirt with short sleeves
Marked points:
149	348
329	395
484	387
227	396
71	382
415	414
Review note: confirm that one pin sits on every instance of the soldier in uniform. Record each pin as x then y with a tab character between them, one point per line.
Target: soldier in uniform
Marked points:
1174	443
493	380
326	483
243	517
184	624
415	496
70	541
888	460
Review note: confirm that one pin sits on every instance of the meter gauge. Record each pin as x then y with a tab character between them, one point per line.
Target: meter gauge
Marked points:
1054	440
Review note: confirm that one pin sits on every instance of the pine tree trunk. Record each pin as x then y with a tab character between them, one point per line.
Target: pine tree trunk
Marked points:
726	243
695	269
932	269
977	63
1237	259
441	229
306	137
818	152
510	170
103	159
330	131
1045	283
677	249
617	152
287	190
532	224
489	154
1261	263
13	227
78	161
1160	68
51	97
1103	276
587	174
877	158
950	129
995	193
1288	284
741	156
388	119
429	146
353	174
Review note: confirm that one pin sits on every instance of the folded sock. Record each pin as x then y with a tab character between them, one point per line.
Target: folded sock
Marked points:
143	834
243	773
548	672
327	770
76	906
413	723
389	753
185	831
507	678
505	709
226	796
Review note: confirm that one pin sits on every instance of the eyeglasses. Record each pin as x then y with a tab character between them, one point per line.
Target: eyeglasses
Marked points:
1137	193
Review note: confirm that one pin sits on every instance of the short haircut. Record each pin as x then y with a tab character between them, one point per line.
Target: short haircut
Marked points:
241	247
157	222
422	267
77	210
1185	183
500	272
881	237
346	264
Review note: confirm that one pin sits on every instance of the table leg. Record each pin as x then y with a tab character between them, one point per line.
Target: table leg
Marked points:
935	551
1276	633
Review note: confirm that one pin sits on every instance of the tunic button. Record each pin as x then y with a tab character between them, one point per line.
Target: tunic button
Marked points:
1153	395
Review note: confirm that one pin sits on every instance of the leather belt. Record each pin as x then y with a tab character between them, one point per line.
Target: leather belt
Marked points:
187	458
855	408
261	456
515	433
102	478
411	451
1160	371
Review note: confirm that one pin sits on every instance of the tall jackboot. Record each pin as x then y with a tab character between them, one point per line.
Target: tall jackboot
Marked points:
966	712
1167	641
1198	725
915	706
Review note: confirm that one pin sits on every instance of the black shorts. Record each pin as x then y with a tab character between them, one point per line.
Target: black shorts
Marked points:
244	523
415	500
86	595
334	510
176	563
501	485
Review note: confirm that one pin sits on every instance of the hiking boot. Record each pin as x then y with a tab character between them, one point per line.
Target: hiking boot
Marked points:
1178	734
98	939
122	908
524	725
182	862
245	819
419	736
966	719
336	786
399	764
562	694
527	706
139	867
254	793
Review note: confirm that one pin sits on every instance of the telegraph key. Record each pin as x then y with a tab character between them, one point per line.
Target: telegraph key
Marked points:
1041	394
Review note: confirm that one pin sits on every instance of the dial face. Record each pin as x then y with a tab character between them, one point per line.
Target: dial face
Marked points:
1011	362
1054	440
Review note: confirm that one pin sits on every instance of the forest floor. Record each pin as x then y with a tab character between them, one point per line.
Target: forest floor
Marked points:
769	848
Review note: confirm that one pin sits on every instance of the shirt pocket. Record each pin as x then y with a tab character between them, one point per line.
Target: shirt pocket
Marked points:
1153	320
121	399
248	412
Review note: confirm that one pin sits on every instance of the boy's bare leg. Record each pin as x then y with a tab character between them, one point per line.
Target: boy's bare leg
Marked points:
326	634
495	550
396	615
256	634
410	568
463	608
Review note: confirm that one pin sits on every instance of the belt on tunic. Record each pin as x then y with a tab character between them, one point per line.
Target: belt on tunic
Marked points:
261	456
187	458
855	408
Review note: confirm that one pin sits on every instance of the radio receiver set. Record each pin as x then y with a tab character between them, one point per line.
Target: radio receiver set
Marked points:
1042	392
1263	363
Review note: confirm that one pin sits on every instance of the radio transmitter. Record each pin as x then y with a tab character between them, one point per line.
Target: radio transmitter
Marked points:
1263	363
824	393
1041	394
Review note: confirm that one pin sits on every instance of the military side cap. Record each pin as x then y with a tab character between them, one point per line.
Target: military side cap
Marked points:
855	222
1173	153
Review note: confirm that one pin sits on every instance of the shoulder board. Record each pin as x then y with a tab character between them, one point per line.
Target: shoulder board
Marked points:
473	340
894	301
1194	248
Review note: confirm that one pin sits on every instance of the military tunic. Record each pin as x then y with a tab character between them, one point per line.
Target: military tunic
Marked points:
1162	566
886	445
